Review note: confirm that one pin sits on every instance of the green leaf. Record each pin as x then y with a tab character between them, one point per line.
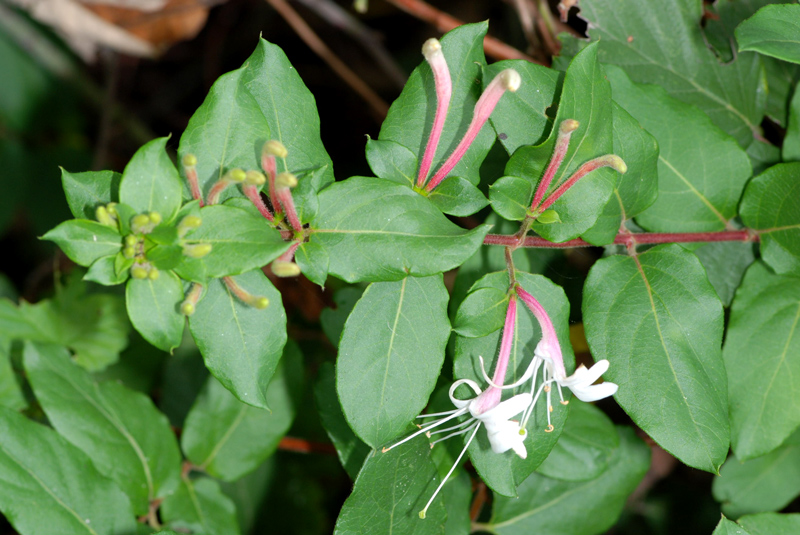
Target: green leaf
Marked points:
663	44
86	191
790	150
511	197
241	345
728	527
153	309
392	161
249	492
51	486
781	80
574	507
199	507
104	271
504	472
725	264
658	321
10	392
771	524
410	117
766	483
150	182
772	31
240	240
333	319
763	155
537	92
701	170
228	438
350	449
764	400
390	355
390	491
312	258
585	447
123	433
457	196
481	313
85	241
771	205
585	97
376	230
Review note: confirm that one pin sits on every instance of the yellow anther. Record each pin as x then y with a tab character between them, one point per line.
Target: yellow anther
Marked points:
549	428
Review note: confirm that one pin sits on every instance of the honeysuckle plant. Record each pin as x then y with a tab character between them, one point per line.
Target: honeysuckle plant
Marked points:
460	320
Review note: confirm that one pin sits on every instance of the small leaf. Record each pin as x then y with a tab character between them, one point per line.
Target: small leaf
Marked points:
728	527
127	438
771	524
574	507
764	399
772	31
390	355
312	258
51	486
86	191
658	321
457	196
548	217
150	182
85	241
511	197
199	506
390	491
771	205
10	391
228	438
241	345
153	309
376	230
481	313
392	161
104	271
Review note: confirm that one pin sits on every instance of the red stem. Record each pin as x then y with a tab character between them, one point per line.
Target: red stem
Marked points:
301	445
745	235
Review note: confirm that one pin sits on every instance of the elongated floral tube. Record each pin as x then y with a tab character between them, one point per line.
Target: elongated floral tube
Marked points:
609	160
244	296
189	161
549	340
565	131
507	80
432	50
250	189
283	184
491	397
269	152
233	176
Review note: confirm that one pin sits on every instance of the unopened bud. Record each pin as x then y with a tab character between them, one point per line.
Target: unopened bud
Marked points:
285	180
510	79
616	163
431	47
281	268
260	303
139	272
189	160
187	308
568	125
274	147
190	222
153	274
112	209
131	240
103	217
138	222
237	175
129	252
155	218
255	178
198	250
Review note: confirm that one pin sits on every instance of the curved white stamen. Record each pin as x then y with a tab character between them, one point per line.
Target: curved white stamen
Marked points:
462	403
444	480
455	434
428	428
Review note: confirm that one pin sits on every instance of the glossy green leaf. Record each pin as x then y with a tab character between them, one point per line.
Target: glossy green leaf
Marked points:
264	99
504	472
376	230
150	182
537	92
725	264
312	258
86	191
728	527
390	355
766	483
511	197
585	97
228	438
392	161
351	450
240	240
127	438
662	43
701	170
333	319
50	486
771	205
790	150
410	117
104	271
773	31
764	399
771	524
763	155
584	448
390	491
153	309
10	391
85	241
658	321
481	313
241	345
457	196
199	507
574	507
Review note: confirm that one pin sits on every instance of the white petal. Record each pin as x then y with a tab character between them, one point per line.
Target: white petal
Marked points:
594	392
520	450
506	436
505	410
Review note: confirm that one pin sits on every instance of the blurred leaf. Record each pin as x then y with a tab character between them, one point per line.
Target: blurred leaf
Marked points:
199	507
126	437
333	319
390	354
790	150
772	31
10	392
771	524
658	321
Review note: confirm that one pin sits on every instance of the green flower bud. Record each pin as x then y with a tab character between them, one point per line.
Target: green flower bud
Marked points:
129	252
260	303
274	148
237	175
187	308
112	209
282	268
189	160
131	240
190	222
155	218
153	274
255	178
139	222
198	250
285	180
103	217
139	272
